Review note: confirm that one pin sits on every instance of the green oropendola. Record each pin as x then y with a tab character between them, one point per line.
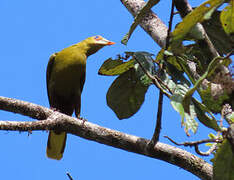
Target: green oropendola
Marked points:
65	79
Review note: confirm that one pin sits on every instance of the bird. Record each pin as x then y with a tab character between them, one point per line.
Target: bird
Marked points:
65	78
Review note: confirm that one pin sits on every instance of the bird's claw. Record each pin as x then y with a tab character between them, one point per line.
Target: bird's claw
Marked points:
54	109
82	119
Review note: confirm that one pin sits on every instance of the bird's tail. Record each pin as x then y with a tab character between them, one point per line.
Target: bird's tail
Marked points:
56	144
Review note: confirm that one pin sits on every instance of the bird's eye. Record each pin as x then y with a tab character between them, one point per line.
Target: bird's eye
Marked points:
97	38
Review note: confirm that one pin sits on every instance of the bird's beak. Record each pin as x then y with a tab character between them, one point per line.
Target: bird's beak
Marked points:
110	43
104	41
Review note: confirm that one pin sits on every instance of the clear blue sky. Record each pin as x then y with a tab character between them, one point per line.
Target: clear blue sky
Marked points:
30	32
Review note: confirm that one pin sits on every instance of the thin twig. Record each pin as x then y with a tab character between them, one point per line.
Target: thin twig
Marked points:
158	126
157	79
196	144
207	153
193	143
170	24
157	130
154	79
69	176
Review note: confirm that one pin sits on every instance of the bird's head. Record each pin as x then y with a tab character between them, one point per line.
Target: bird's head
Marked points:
95	43
99	40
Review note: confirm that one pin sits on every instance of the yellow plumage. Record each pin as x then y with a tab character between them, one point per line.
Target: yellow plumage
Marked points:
65	78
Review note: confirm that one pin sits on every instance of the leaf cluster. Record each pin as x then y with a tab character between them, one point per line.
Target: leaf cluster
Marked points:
180	71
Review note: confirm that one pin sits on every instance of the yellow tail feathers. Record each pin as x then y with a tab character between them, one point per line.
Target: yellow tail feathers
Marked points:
55	145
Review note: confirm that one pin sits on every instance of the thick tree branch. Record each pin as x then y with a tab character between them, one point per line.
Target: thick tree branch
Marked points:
90	131
24	108
151	23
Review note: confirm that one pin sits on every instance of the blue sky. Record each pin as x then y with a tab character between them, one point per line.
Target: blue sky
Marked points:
30	32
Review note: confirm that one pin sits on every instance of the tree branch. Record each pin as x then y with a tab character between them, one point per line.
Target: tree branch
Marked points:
69	176
157	130
24	108
58	121
205	44
151	23
197	143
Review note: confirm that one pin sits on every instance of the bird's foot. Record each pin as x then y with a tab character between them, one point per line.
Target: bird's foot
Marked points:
54	109
82	119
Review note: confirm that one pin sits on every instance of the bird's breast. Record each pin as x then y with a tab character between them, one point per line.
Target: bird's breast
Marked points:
67	76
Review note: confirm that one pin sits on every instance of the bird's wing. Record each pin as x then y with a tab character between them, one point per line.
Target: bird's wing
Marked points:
82	81
48	72
78	100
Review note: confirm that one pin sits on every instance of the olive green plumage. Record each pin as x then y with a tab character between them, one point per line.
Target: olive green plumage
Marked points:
65	79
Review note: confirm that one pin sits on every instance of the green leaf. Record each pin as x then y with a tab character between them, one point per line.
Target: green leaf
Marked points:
211	68
126	94
214	104
224	162
190	123
174	61
145	60
165	78
227	18
201	111
138	19
179	85
176	100
170	58
213	27
172	76
199	14
115	67
212	136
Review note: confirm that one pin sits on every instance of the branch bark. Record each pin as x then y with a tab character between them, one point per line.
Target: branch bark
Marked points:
184	8
57	121
151	23
157	30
